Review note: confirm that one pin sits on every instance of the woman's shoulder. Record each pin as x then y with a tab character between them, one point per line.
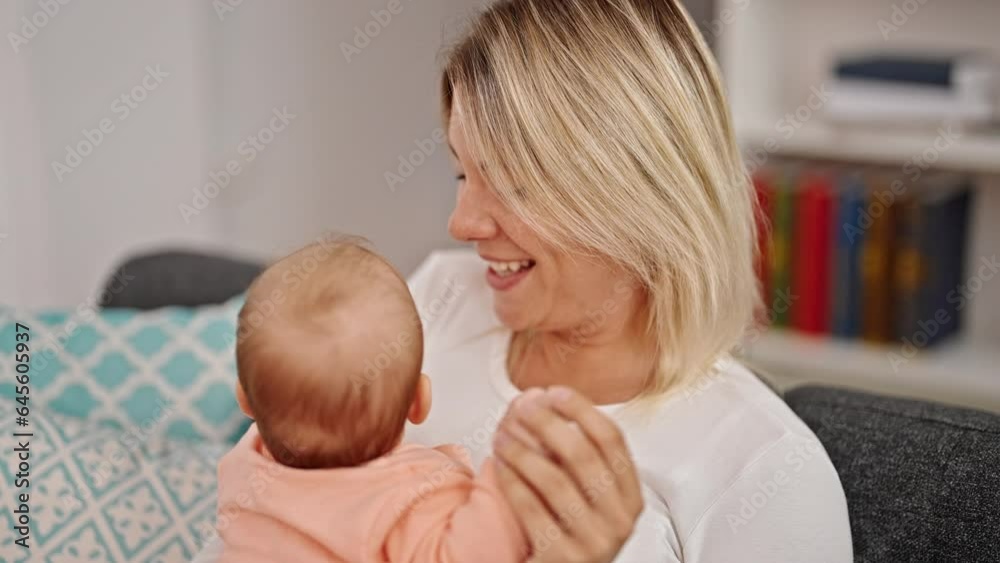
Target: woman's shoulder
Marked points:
729	455
451	295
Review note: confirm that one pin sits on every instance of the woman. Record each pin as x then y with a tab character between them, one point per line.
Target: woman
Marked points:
599	181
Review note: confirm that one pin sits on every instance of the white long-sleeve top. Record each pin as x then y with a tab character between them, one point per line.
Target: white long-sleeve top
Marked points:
729	473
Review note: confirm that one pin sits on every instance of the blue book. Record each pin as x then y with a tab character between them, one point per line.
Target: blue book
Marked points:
849	231
903	69
945	203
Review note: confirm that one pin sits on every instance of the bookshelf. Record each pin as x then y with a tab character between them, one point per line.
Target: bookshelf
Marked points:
971	152
958	372
775	55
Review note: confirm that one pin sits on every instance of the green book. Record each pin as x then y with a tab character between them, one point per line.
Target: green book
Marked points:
782	249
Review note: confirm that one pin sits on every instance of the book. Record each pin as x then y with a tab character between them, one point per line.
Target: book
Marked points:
812	258
780	305
887	102
763	189
877	259
933	229
910	266
845	274
967	74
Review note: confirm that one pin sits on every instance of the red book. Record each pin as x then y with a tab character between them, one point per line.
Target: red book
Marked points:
763	188
811	264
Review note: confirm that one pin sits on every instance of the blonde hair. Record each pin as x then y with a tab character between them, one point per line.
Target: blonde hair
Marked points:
329	355
604	126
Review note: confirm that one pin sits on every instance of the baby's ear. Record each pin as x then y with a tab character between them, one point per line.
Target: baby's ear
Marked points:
421	405
241	399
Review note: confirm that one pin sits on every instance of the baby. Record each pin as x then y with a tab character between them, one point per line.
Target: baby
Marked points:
329	356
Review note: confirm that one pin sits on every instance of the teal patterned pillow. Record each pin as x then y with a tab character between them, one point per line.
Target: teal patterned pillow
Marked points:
97	496
163	373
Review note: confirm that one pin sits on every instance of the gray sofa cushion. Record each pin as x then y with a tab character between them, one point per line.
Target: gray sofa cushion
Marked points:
186	279
922	480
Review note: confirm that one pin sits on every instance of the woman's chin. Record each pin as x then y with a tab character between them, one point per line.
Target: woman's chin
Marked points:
511	315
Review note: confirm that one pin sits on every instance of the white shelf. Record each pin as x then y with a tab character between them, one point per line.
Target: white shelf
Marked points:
971	151
774	55
956	372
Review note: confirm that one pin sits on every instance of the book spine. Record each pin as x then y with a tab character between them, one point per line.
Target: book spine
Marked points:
876	269
839	289
844	275
909	269
782	248
811	265
904	71
856	244
941	303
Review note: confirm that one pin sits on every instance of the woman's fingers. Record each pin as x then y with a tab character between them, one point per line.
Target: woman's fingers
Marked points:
578	470
605	435
529	508
571	448
557	489
550	507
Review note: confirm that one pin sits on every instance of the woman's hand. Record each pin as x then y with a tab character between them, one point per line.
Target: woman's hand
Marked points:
566	471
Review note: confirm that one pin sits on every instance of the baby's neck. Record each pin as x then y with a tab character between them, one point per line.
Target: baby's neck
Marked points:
261	448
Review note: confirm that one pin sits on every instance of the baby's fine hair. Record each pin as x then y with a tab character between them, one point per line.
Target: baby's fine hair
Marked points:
329	352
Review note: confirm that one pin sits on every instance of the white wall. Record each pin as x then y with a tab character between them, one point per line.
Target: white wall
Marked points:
226	73
123	195
355	119
23	236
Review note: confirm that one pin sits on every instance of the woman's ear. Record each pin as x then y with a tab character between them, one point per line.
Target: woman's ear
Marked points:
241	399
421	405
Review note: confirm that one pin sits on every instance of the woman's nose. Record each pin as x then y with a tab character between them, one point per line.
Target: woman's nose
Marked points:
471	219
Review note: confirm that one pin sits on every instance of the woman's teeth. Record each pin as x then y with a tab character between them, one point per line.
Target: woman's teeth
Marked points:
508	268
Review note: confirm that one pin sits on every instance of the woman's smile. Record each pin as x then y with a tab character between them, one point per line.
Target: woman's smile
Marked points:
502	275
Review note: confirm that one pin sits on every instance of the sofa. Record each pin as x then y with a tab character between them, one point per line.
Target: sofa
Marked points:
922	480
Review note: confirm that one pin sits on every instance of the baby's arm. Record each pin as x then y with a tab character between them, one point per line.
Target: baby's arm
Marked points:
465	519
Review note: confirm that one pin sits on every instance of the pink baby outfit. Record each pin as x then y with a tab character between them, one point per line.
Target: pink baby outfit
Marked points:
415	504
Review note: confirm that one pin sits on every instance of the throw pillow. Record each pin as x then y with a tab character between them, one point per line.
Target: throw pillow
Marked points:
98	496
163	373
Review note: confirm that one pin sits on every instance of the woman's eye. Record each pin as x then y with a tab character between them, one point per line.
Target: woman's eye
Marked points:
460	177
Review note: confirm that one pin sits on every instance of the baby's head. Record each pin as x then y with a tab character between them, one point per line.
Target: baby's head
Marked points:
329	352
